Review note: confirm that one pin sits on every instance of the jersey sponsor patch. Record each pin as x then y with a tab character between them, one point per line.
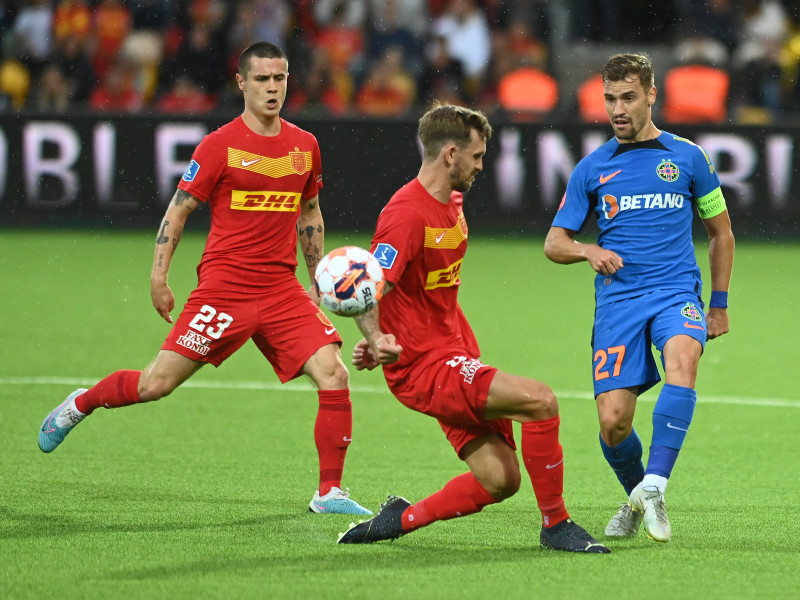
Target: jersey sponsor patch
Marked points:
445	277
386	254
265	201
191	171
468	366
195	342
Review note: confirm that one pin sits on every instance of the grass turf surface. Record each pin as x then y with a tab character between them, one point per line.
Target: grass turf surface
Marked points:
205	493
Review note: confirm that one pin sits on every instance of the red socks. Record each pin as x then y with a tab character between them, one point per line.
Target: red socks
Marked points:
118	389
462	496
544	461
333	432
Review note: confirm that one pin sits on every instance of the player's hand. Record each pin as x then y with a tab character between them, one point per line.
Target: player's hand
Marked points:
605	262
717	322
363	358
163	300
386	349
314	294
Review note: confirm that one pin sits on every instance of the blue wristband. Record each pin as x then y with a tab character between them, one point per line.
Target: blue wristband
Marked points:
719	300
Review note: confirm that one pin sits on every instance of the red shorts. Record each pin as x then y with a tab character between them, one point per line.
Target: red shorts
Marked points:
285	324
453	389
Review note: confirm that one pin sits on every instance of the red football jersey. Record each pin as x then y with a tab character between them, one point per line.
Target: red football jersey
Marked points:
253	185
421	243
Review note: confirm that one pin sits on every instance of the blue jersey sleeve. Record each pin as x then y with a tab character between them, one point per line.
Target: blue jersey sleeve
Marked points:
577	204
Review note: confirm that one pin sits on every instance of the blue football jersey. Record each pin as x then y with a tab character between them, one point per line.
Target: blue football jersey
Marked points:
642	194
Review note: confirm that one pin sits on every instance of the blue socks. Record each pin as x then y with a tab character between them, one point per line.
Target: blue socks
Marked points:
626	460
671	418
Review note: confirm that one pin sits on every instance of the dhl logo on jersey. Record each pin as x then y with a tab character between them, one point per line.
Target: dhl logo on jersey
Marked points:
294	163
445	277
268	201
446	238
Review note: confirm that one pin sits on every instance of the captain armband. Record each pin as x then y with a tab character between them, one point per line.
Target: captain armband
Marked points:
711	204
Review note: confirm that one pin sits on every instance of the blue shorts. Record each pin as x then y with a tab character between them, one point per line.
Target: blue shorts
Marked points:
624	330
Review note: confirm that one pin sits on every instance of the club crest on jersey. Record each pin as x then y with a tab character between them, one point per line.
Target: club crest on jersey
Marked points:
668	171
298	160
385	253
690	311
191	171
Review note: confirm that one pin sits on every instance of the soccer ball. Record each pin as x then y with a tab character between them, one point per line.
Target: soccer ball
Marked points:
349	281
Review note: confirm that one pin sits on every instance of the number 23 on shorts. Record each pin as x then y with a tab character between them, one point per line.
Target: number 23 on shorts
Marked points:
202	322
602	364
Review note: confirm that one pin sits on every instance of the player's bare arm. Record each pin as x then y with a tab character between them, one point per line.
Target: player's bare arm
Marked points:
376	348
311	236
561	247
169	235
720	257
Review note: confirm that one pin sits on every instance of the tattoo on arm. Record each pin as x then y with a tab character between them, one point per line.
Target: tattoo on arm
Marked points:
181	197
162	237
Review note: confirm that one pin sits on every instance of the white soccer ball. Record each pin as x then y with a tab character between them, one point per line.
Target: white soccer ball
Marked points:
349	281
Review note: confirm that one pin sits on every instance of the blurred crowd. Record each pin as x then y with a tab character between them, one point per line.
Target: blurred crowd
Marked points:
717	60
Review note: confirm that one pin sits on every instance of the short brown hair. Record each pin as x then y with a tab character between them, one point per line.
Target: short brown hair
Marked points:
261	50
621	66
449	123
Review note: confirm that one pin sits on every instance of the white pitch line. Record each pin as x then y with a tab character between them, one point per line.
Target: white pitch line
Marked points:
303	386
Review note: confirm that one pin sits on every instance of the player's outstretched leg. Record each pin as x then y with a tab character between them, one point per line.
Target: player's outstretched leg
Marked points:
570	537
649	501
60	422
625	523
386	525
336	502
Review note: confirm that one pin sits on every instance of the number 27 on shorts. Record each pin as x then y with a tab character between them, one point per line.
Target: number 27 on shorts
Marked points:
603	365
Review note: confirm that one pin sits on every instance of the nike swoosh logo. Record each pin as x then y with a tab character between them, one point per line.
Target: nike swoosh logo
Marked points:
671	426
440	237
555	465
319	507
347	439
330	330
247	163
604	178
690	326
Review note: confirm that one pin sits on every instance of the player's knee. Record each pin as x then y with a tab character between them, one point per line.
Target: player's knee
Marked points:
502	484
541	402
333	376
154	388
614	430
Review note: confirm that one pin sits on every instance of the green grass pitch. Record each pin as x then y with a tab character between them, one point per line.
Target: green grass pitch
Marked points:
204	494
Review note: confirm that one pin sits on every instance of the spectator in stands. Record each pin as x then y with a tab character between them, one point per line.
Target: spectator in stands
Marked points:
112	23
319	94
74	62
185	96
442	77
15	83
389	90
464	27
763	30
51	94
72	20
33	34
198	60
116	91
261	20
717	19
342	34
399	24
